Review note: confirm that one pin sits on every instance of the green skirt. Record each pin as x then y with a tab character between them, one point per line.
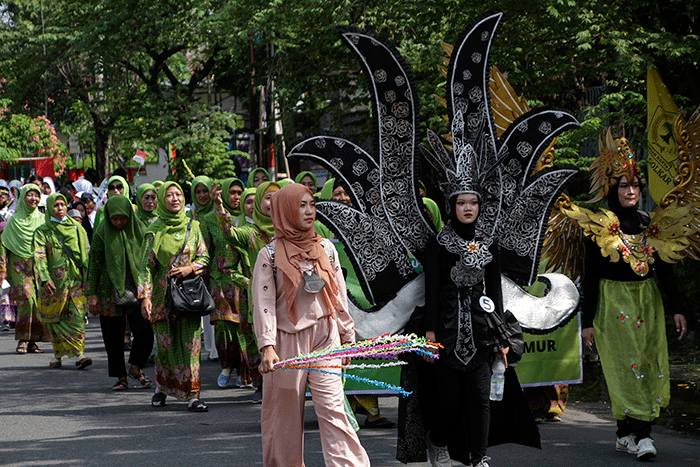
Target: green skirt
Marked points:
630	333
177	356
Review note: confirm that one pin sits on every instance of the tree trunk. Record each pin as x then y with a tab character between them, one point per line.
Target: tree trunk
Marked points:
102	134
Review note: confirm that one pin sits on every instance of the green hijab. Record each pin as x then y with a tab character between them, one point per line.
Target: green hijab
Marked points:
434	212
242	218
121	244
251	176
169	229
199	210
146	217
310	174
225	186
263	222
19	232
71	232
119	178
327	190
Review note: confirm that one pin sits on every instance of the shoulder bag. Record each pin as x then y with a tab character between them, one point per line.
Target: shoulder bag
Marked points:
188	297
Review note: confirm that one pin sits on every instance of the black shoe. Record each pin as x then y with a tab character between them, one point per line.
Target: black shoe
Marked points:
257	397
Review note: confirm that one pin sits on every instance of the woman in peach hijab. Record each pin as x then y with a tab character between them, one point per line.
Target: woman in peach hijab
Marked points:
300	306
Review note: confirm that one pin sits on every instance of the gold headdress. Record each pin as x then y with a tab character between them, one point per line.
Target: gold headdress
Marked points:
616	159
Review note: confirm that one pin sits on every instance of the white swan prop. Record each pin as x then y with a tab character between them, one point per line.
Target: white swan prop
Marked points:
541	314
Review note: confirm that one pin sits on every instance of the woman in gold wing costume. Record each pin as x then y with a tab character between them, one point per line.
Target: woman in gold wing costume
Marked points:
627	262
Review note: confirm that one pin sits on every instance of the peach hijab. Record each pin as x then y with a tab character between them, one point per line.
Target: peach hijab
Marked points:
295	244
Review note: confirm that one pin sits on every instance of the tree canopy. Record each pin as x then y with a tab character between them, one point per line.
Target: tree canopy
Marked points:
127	75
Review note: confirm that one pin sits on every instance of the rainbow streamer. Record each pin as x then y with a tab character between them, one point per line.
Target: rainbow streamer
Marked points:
385	347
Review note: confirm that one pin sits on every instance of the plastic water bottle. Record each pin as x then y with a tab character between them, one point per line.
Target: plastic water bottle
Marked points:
497	380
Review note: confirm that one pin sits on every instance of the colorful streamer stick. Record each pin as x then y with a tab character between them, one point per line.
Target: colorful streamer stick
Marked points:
385	347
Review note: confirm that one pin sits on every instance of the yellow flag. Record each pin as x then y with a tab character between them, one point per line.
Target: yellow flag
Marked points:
663	153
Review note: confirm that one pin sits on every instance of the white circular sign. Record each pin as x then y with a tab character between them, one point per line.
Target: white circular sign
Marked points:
486	304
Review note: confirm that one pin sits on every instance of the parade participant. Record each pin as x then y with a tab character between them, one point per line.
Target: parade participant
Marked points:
257	176
112	273
228	284
89	201
116	185
462	271
235	199
84	217
4	201
623	312
433	211
17	265
250	238
15	187
48	187
146	201
61	251
178	339
300	305
202	203
247	207
308	179
75	215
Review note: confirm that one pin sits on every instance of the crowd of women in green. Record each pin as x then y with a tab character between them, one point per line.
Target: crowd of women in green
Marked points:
57	274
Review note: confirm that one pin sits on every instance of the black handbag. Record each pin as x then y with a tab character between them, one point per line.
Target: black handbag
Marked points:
188	297
130	296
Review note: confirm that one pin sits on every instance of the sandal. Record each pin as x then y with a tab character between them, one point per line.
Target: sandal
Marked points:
21	347
197	406
141	379
83	363
158	399
33	348
55	363
120	385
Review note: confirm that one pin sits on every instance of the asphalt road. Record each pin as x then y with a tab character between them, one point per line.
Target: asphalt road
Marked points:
66	417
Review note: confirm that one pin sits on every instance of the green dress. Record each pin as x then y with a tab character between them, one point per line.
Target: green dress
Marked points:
248	238
65	310
229	277
178	339
21	274
17	260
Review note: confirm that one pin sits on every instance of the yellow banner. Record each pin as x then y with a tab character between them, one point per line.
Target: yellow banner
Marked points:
663	154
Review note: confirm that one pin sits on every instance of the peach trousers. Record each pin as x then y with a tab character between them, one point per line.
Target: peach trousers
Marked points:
282	418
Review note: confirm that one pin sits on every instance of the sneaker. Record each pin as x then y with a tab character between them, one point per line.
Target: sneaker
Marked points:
646	449
482	462
257	397
626	444
437	455
223	380
242	385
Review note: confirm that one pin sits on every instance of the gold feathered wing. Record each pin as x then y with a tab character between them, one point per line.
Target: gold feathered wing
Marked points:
671	230
563	243
686	190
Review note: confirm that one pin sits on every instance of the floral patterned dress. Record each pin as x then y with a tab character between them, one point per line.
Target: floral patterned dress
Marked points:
21	274
229	276
249	238
65	310
178	339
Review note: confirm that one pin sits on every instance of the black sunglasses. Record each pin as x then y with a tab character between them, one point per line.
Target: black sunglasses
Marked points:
116	187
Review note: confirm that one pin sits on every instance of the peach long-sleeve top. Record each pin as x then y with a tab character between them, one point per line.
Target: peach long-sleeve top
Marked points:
270	312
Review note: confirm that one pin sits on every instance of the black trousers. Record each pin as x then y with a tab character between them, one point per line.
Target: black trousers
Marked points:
113	336
632	426
463	411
